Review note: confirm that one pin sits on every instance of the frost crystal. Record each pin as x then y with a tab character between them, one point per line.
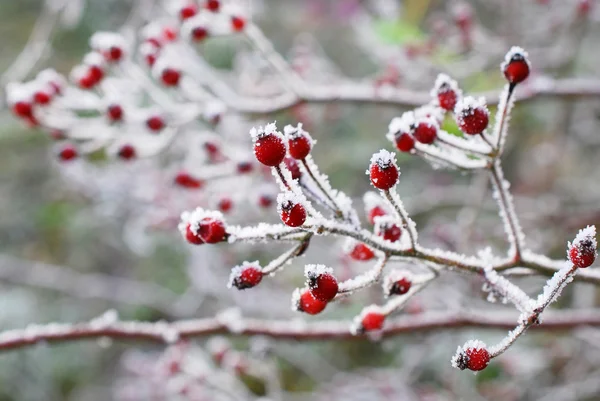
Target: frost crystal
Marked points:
515	52
466	105
288	199
194	218
443	83
384	159
585	240
260	132
311	271
296	132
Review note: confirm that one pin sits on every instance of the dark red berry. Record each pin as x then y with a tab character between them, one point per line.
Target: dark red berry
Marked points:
383	170
389	231
372	321
67	153
299	146
213	150
582	252
517	69
269	149
127	152
86	82
375	212
170	77
245	276
472	119
292	165
425	131
42	97
213	5
322	285
199	33
225	205
447	98
238	23
115	112
244	167
114	54
211	230
170	33
188	11
184	179
23	109
477	358
155	123
191	237
307	303
292	214
361	252
400	287
95	73
405	142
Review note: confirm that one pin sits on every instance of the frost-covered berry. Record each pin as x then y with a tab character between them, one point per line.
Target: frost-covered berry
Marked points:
292	165
188	11
42	97
68	153
114	112
244	167
370	319
446	92
400	133
291	210
213	5
321	282
186	180
425	130
155	123
397	282
299	141
208	225
361	252
376	212
225	204
22	109
170	76
473	356
238	23
199	33
304	301
472	115
269	145
113	54
191	236
383	170
127	152
245	276
405	142
515	66
387	228
582	252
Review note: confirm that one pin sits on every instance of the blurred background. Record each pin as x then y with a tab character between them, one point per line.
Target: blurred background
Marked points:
77	239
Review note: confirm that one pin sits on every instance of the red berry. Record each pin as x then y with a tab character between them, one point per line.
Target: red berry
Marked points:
372	321
425	131
170	76
169	33
244	167
185	180
269	149
472	117
516	69
383	170
115	112
211	230
292	214
247	275
191	237
86	82
375	212
405	142
127	152
292	165
23	109
400	287
225	205
150	58
265	201
42	97
155	123
69	152
213	150
213	5
584	7
188	11
322	285
361	252
478	358
299	146
582	252
447	98
238	23
57	135
305	302
114	54
199	33
96	73
388	230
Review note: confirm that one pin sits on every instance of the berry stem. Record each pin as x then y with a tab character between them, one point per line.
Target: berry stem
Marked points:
280	262
364	280
330	198
502	117
312	195
282	178
394	200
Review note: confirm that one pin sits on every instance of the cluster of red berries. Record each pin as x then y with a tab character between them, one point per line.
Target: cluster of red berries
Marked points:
321	288
405	130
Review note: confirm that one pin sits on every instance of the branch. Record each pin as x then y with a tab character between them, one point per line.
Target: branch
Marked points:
167	333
